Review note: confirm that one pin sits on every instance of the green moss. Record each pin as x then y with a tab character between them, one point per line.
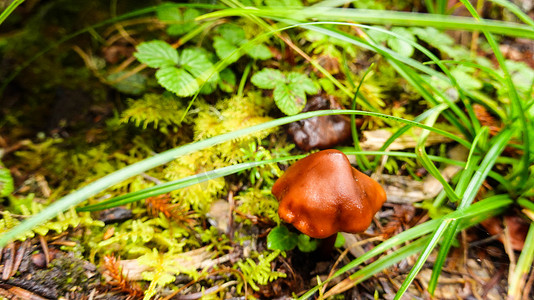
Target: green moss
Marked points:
260	272
162	112
259	203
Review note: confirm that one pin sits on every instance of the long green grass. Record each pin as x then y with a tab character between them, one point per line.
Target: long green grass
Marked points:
484	150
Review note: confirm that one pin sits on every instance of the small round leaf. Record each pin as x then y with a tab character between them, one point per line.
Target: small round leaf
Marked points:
280	238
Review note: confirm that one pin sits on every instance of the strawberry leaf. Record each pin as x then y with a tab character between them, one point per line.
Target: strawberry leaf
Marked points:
289	101
177	81
268	78
156	54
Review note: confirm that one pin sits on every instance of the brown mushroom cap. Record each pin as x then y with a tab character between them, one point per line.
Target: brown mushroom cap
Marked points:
322	194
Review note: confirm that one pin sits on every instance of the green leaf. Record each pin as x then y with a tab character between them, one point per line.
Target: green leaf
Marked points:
232	33
177	81
433	37
400	46
225	50
289	101
280	238
178	23
196	62
467	80
260	52
302	83
188	24
268	78
169	13
132	85
340	240
156	54
228	81
6	182
306	244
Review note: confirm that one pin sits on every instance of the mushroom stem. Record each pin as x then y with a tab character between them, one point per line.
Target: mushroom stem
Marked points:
326	245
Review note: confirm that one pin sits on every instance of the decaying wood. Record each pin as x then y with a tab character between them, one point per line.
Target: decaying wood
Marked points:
374	139
16	293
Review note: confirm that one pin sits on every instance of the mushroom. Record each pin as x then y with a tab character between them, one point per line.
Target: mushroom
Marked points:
320	132
322	194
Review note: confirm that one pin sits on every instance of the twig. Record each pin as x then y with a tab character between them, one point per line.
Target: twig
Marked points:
44	246
18	293
230	229
20	254
528	285
10	261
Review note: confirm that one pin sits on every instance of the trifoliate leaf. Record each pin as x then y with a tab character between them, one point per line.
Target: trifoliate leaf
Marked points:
6	182
225	50
177	81
289	101
260	52
227	82
178	23
197	63
268	78
168	13
302	83
156	54
307	244
280	238
187	25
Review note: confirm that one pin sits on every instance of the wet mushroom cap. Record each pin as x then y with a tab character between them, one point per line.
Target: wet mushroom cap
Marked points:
322	194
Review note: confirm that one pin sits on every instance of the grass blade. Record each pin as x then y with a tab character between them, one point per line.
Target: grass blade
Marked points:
362	160
392	18
6	12
524	264
423	257
181	183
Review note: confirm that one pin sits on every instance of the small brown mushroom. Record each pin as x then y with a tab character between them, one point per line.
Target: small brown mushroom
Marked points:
322	194
320	132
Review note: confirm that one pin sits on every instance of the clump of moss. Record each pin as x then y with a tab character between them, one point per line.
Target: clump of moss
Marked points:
162	112
259	203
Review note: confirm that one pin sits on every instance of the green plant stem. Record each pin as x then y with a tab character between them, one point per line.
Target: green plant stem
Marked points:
524	264
243	80
427	163
526	203
515	10
362	160
6	12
